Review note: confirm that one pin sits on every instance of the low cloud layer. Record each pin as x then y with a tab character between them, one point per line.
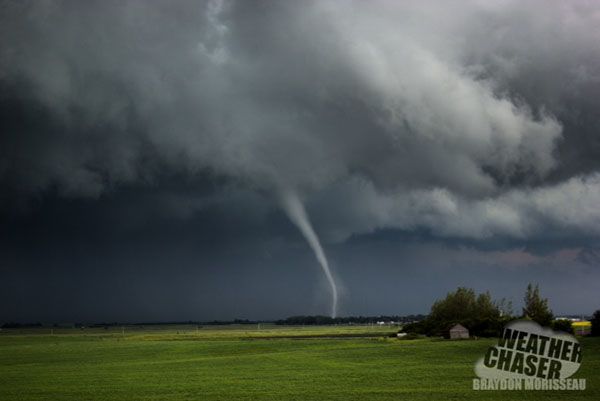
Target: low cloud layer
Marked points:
471	121
565	210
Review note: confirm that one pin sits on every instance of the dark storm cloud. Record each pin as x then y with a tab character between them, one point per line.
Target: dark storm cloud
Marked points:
473	121
78	260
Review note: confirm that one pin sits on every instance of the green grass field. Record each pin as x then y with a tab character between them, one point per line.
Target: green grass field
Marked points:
243	363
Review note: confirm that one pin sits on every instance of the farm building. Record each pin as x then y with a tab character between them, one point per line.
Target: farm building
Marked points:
582	328
459	331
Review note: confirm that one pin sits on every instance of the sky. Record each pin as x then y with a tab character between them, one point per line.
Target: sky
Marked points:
200	160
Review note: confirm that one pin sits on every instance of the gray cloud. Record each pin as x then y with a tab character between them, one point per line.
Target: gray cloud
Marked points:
568	209
463	120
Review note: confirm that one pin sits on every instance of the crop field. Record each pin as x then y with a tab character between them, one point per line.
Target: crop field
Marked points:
251	363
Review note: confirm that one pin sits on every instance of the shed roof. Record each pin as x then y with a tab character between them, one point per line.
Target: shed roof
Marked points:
458	327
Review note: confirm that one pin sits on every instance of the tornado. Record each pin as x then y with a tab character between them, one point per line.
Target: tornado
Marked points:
294	208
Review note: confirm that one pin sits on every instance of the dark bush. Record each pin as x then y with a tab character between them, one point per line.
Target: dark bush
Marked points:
596	324
562	325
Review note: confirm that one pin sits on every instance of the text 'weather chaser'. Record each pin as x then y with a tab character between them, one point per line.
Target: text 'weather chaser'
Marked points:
530	357
532	354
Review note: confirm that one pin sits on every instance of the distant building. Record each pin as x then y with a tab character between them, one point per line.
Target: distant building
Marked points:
569	318
459	331
582	328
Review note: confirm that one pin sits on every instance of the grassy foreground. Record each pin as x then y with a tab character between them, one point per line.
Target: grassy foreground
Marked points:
242	363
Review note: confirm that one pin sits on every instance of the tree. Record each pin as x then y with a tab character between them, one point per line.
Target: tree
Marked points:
479	313
536	308
457	307
596	323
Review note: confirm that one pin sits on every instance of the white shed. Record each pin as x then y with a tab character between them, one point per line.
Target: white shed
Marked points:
459	331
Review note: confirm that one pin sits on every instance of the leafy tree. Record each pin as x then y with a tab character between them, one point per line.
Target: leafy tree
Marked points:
536	308
489	318
479	313
457	307
596	323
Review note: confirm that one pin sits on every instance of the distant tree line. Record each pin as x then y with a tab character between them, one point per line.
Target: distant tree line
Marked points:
15	325
485	317
326	320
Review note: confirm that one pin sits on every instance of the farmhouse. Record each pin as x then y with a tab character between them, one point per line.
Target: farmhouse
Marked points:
459	331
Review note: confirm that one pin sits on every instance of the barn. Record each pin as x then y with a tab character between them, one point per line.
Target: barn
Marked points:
459	331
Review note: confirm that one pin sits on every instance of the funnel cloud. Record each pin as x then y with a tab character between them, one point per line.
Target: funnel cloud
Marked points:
295	211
